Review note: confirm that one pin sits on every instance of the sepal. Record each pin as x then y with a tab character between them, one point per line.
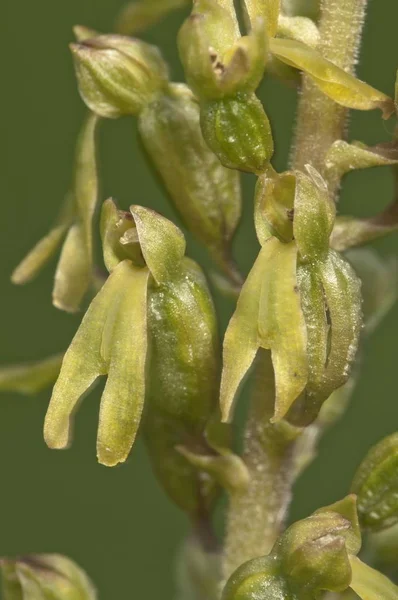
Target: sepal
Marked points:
340	86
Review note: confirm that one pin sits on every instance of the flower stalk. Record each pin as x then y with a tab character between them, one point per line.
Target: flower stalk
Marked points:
320	121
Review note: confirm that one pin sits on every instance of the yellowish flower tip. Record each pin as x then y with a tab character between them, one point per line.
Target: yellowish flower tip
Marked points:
82	33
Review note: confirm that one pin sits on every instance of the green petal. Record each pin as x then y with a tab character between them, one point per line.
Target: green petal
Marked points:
82	363
336	83
281	323
369	584
73	274
241	340
42	252
123	398
30	378
86	179
268	9
162	243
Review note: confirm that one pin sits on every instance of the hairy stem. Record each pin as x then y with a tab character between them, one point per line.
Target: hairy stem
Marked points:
276	453
256	516
321	121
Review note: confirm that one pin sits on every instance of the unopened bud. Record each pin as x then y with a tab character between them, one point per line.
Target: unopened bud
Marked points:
43	576
239	133
376	484
118	75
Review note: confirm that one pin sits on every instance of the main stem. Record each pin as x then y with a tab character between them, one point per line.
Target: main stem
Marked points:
256	516
320	121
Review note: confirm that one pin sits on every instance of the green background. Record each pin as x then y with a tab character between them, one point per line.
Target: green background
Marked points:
116	522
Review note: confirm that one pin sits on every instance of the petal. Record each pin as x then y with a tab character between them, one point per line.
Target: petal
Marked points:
42	252
369	584
281	324
241	340
73	274
123	398
82	363
336	83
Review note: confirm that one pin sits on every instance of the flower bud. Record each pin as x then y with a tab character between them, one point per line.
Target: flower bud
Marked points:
118	75
239	133
314	552
376	485
331	302
183	383
208	33
206	194
42	576
258	578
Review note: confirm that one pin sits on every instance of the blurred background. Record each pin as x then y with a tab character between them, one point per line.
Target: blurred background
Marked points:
116	522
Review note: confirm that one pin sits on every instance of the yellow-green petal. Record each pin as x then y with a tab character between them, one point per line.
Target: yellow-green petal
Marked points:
370	584
42	252
336	83
123	398
82	363
86	179
73	273
281	323
241	340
